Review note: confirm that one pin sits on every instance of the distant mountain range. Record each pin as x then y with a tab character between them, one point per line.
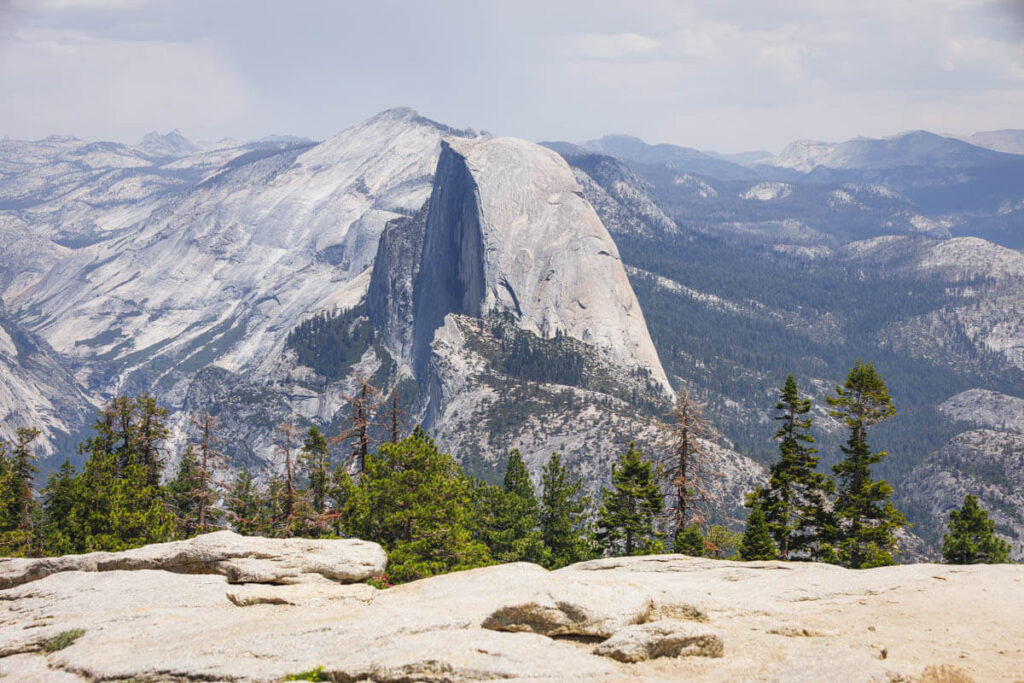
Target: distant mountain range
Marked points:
513	295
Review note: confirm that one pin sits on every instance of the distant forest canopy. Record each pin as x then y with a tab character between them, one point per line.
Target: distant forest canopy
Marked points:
431	517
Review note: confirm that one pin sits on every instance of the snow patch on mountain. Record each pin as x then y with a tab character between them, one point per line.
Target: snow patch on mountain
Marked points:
768	191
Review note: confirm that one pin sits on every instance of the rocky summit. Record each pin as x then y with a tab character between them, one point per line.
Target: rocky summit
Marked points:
179	612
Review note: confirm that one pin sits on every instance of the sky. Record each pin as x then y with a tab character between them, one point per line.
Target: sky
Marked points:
725	75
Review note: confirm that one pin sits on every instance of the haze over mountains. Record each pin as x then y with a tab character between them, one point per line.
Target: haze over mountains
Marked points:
518	296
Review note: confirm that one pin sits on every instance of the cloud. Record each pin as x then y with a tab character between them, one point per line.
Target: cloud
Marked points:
56	81
614	45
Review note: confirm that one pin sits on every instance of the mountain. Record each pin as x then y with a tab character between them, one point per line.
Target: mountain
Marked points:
511	295
1007	141
917	148
679	158
172	144
38	389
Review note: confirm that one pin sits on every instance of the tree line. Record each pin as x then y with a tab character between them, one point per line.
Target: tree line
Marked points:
431	517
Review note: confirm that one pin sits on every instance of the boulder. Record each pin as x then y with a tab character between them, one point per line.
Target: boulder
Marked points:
243	559
661	639
563	608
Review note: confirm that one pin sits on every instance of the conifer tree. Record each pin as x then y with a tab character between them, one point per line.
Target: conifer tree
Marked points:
795	503
628	510
866	518
60	498
690	542
245	504
757	543
18	513
183	494
363	406
282	490
116	506
563	521
418	505
688	464
971	538
205	494
508	516
315	457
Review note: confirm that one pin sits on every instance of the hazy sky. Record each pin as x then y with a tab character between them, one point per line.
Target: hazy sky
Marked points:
729	75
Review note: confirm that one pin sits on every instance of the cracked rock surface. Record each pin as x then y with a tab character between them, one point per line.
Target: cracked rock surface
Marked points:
665	617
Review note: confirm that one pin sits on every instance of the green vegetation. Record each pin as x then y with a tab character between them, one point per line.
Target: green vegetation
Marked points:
564	523
316	674
626	519
757	542
332	343
972	537
866	518
62	640
432	517
794	504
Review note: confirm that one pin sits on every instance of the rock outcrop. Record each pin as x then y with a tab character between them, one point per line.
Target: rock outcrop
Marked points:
681	618
242	559
508	230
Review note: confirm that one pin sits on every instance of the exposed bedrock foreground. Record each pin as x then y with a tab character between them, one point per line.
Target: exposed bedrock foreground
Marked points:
227	608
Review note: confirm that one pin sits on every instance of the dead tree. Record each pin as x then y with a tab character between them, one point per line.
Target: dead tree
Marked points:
364	405
208	455
288	434
687	459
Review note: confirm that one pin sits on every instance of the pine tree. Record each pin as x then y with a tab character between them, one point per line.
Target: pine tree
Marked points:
116	505
17	518
628	510
60	498
972	538
183	495
866	518
689	463
363	406
795	502
315	457
205	494
282	498
508	516
245	504
563	521
690	542
757	543
418	505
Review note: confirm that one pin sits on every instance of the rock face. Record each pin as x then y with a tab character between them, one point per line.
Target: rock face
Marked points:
983	462
698	619
508	229
242	559
661	639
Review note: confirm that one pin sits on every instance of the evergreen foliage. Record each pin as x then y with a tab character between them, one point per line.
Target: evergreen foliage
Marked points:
246	505
972	538
757	543
508	517
866	518
116	502
183	494
795	503
315	457
331	343
18	508
563	520
690	542
626	518
418	505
